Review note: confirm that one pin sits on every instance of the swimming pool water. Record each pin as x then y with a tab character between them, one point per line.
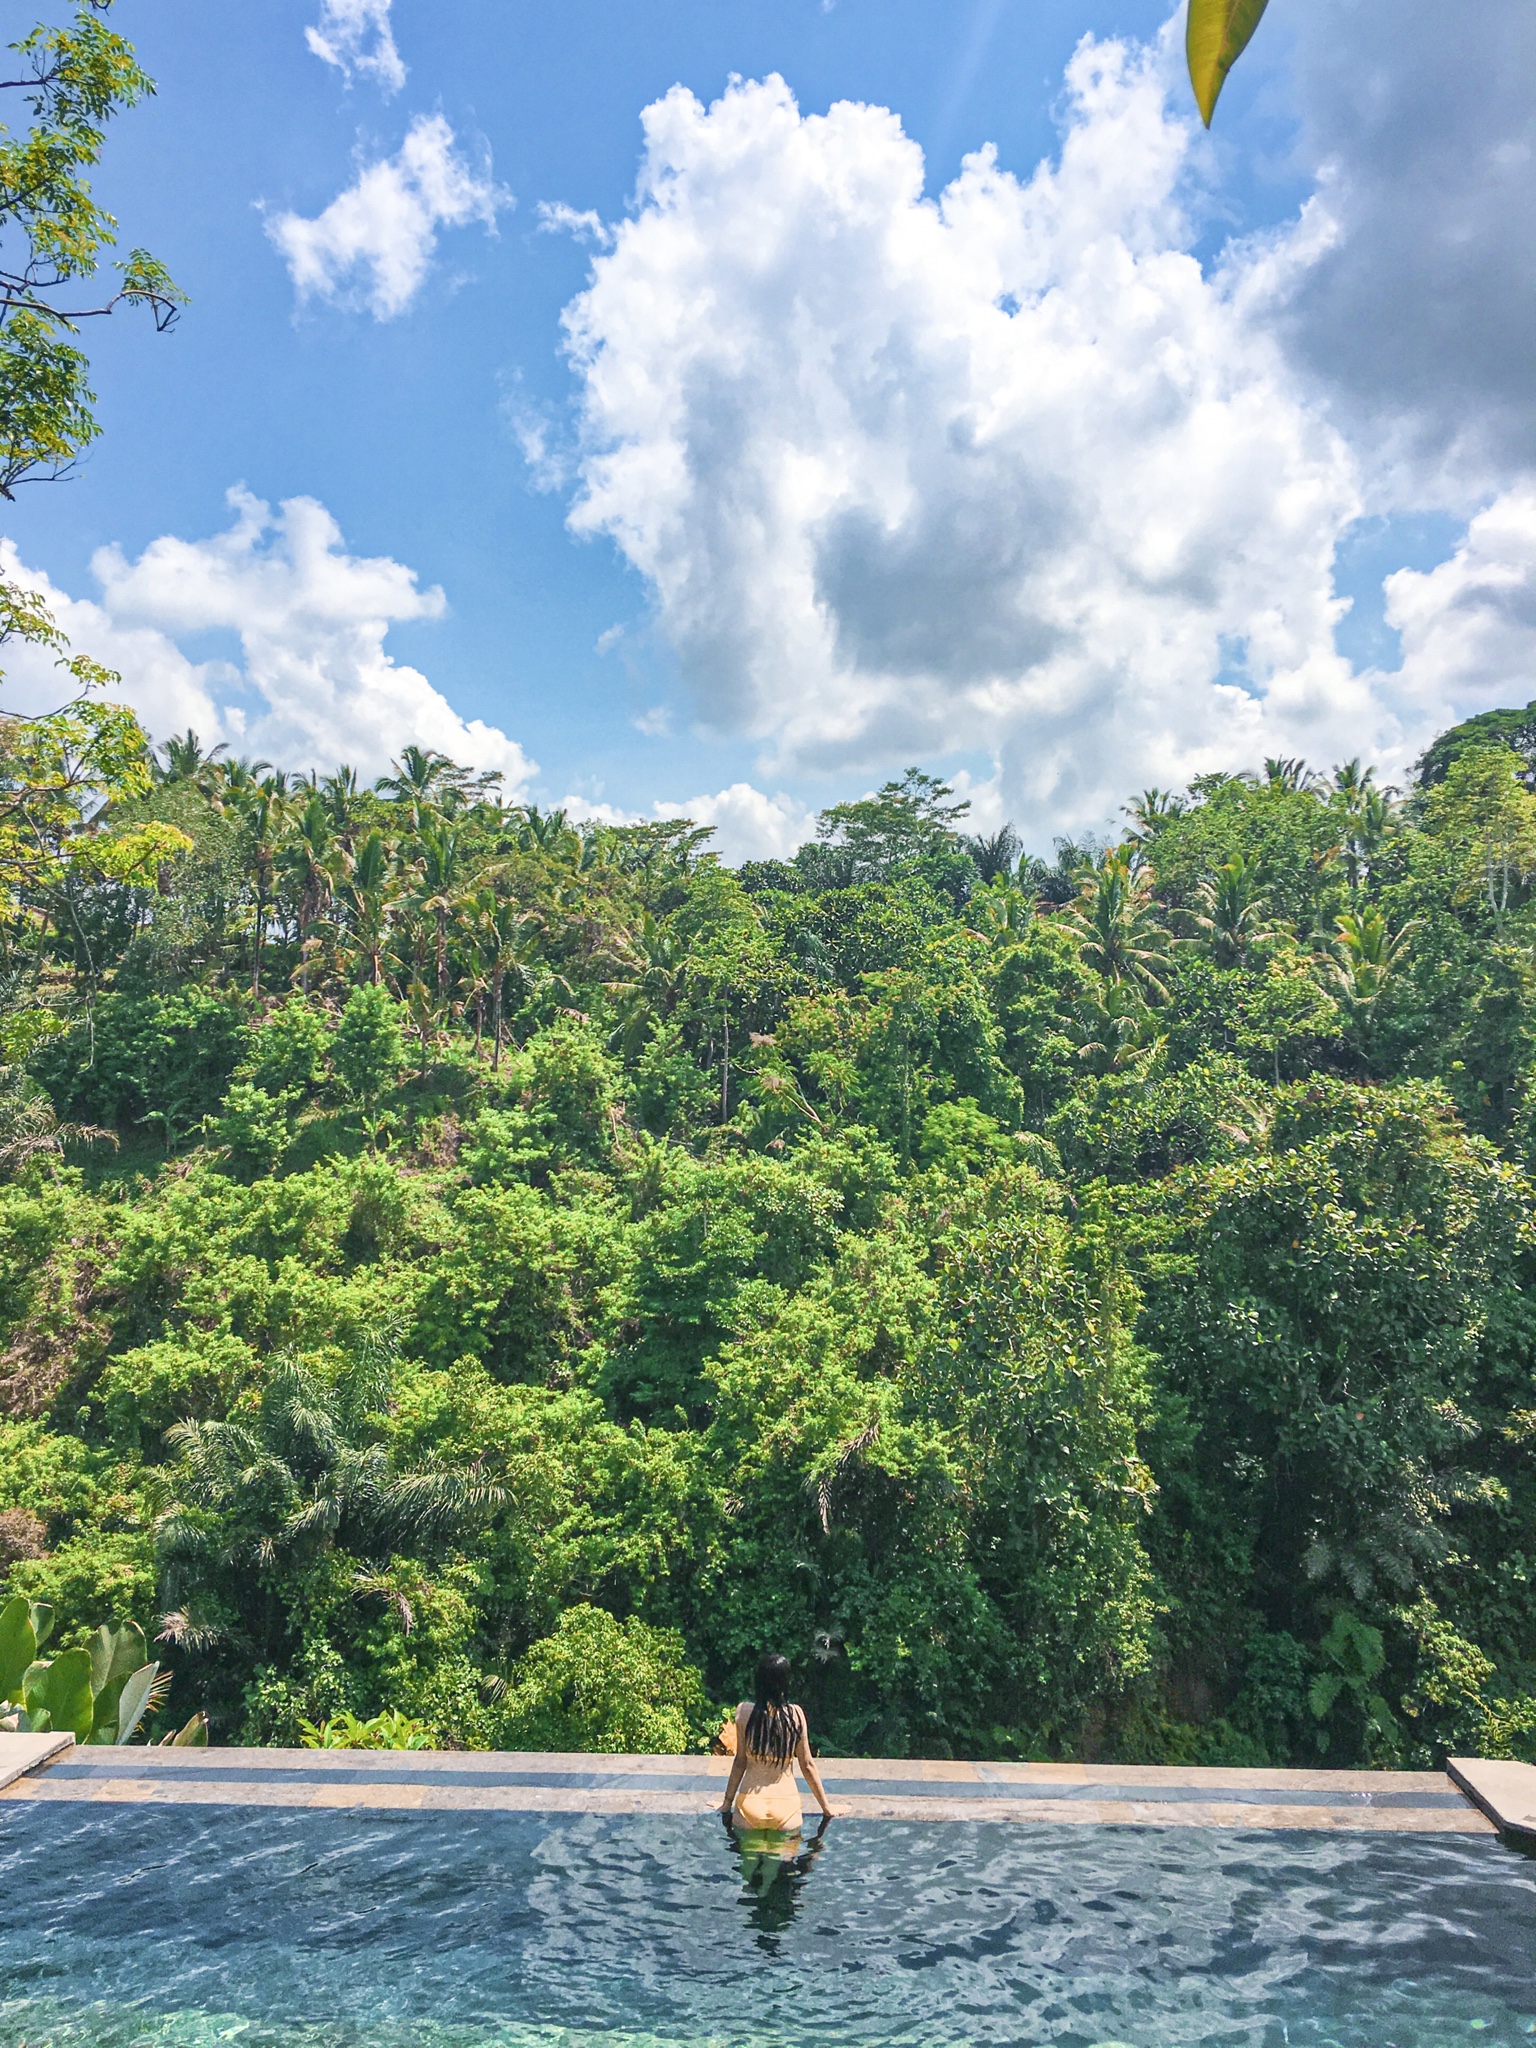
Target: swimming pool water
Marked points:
158	1927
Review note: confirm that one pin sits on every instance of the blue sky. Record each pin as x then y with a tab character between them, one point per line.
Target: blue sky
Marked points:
841	511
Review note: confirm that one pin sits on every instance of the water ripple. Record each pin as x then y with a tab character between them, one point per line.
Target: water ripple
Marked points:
156	1927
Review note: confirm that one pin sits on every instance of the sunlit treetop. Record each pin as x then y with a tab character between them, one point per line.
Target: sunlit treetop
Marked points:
72	79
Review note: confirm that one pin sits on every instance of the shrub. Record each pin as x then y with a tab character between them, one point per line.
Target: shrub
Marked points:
605	1685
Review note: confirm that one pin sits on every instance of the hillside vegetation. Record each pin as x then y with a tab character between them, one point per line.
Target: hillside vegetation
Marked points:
496	1275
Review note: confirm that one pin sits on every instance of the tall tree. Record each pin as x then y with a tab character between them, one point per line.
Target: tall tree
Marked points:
53	235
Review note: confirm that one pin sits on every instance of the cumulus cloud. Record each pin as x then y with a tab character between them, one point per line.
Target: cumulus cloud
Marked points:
355	35
748	825
1420	125
1003	472
1468	626
373	245
313	684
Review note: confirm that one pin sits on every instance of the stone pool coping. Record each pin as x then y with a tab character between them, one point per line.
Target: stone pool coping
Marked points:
1505	1792
423	1781
22	1753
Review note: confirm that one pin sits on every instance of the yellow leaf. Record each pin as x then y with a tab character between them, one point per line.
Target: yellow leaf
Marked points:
1215	36
133	856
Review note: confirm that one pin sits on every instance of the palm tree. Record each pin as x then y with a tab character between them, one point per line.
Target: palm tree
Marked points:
309	861
1116	1033
369	890
1348	784
1117	922
441	887
1366	811
240	781
1001	914
994	854
1286	775
1234	912
345	802
506	940
1152	812
307	1473
184	759
421	777
659	966
264	814
1365	952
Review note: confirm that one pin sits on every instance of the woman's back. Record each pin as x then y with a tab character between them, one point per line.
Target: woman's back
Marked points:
772	1735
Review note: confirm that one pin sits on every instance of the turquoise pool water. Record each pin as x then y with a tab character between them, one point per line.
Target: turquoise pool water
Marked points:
156	1927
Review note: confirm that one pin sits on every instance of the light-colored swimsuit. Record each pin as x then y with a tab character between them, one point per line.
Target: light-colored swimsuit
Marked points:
768	1797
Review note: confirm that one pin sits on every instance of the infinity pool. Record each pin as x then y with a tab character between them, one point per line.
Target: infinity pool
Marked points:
146	1927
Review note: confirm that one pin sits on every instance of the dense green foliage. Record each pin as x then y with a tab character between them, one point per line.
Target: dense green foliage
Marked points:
1069	1308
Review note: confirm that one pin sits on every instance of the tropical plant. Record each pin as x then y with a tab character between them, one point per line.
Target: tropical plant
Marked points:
368	1050
606	1685
75	79
389	1730
101	1693
995	854
1151	811
1365	952
1216	33
1233	916
307	1473
1117	923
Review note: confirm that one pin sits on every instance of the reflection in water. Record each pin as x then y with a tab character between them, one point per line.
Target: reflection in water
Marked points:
774	1869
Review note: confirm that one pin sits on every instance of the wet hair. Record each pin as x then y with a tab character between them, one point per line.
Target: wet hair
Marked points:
774	1727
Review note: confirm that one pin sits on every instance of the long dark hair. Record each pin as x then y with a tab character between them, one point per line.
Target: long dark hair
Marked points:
774	1727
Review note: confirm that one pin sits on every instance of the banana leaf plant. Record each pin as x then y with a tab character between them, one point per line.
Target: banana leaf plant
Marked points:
1216	34
101	1693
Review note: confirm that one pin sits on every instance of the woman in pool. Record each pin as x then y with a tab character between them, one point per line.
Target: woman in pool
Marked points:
771	1738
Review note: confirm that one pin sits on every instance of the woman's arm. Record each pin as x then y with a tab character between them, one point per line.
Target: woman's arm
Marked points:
738	1765
808	1768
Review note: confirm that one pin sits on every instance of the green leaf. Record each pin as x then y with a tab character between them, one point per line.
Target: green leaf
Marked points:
1215	36
115	1653
194	1735
34	1682
1324	1690
40	1614
66	1694
134	1701
18	1647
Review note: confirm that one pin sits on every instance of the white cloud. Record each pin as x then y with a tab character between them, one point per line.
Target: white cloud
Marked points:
1419	123
583	810
355	35
1009	472
748	825
373	245
556	218
1468	626
1005	472
313	685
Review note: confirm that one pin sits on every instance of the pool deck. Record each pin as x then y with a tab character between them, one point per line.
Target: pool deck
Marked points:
439	1781
1505	1792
